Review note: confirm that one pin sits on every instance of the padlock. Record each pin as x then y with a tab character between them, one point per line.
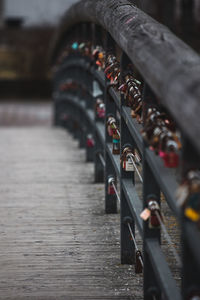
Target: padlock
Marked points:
111	125
111	59
155	138
110	131
111	181
126	160
115	77
100	109
171	157
101	60
163	138
81	47
75	46
95	53
152	115
112	72
150	213
138	263
110	68
153	220
136	111
116	142
128	164
123	88
90	141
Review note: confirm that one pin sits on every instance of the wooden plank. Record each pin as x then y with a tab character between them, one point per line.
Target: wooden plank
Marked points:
55	240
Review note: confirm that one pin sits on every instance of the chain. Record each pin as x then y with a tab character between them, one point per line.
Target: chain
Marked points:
135	243
137	158
102	159
132	160
116	192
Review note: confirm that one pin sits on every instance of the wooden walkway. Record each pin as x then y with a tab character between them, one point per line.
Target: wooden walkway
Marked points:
55	240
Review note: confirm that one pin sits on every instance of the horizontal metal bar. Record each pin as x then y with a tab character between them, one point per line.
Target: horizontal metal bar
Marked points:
74	100
90	115
99	76
115	96
73	63
88	112
167	64
100	129
73	77
162	271
135	204
133	127
80	62
115	159
166	179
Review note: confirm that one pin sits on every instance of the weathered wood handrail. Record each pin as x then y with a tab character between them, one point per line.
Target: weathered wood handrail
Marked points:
170	71
168	65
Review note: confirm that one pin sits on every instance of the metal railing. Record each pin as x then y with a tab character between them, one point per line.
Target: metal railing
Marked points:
94	108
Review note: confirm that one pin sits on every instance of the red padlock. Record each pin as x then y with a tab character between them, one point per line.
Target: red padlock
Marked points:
110	122
153	221
111	190
95	53
108	69
170	157
154	208
123	88
101	110
90	141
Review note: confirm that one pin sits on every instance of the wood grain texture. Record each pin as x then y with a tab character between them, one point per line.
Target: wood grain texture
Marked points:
55	240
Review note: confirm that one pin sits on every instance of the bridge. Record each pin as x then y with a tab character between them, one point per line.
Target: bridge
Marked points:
105	204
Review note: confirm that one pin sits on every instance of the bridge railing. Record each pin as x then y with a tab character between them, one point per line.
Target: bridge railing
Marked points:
128	89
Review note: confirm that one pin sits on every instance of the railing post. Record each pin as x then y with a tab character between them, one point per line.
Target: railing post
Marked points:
150	187
99	168
110	200
99	163
127	245
88	78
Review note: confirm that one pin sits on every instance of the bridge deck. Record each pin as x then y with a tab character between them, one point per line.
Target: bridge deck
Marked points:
56	241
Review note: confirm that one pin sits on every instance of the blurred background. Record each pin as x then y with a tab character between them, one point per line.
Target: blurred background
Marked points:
27	27
26	30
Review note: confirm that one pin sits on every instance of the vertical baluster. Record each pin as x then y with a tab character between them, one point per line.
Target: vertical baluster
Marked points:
127	245
150	187
110	200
